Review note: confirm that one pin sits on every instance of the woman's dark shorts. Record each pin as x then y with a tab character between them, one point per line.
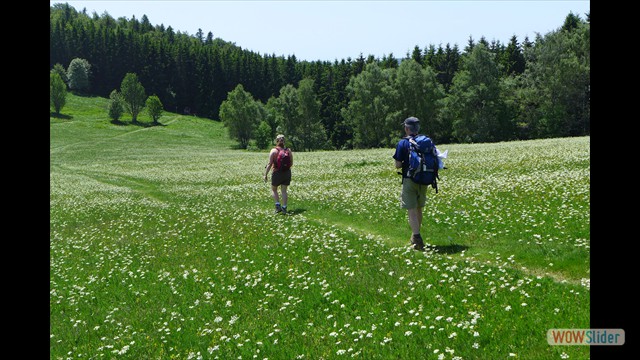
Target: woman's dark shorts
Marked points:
281	178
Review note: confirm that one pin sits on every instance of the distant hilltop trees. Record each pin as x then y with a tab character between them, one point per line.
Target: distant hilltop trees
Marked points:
487	92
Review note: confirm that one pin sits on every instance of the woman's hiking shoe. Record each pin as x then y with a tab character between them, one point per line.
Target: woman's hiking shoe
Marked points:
278	208
417	243
284	210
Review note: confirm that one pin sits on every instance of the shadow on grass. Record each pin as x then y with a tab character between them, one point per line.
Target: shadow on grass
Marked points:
60	116
83	94
147	124
137	123
294	212
447	249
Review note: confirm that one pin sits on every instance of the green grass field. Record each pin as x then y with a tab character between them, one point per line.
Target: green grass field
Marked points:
164	245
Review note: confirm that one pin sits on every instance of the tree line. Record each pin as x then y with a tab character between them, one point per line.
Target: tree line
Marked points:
487	92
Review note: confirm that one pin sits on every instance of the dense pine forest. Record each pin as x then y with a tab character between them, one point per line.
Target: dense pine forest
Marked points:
486	92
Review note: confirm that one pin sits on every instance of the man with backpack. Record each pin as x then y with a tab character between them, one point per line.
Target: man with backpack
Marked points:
414	191
280	160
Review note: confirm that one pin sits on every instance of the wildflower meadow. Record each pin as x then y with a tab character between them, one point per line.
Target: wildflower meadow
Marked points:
164	245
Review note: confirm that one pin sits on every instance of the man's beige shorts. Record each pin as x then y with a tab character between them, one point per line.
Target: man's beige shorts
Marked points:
413	195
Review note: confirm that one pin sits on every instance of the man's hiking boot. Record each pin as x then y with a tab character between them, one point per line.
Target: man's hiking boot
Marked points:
417	243
278	208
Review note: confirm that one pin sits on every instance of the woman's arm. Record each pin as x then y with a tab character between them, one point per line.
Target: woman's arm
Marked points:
269	165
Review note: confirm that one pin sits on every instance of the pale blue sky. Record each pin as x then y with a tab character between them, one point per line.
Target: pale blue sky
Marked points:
332	29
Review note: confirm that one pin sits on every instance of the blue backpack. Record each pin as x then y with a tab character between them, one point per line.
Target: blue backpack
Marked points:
423	161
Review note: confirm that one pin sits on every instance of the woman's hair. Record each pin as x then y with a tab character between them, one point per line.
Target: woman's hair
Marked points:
280	139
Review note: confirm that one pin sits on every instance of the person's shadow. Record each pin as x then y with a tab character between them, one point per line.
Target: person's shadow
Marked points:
296	211
446	249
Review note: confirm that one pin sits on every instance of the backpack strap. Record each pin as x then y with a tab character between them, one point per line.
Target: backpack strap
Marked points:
279	150
413	142
275	161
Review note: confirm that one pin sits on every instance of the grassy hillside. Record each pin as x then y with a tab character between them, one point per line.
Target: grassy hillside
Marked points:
163	245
